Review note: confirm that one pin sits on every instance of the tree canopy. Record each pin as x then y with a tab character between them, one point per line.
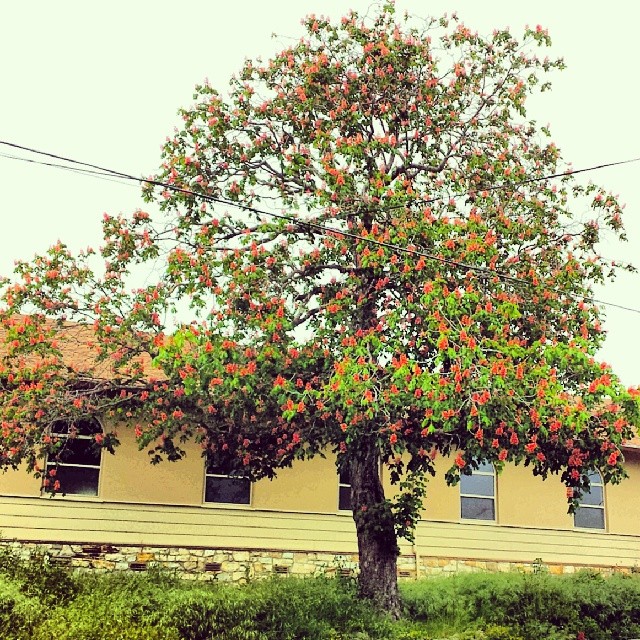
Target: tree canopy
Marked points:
367	247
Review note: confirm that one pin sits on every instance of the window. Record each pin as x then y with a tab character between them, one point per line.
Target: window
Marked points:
344	491
228	488
590	513
478	494
76	463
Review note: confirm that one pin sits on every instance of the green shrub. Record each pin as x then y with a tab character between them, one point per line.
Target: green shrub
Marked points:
541	604
119	606
86	627
157	606
38	578
453	604
40	601
492	632
535	605
19	614
275	609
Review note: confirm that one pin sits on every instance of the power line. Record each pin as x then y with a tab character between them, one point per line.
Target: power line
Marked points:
100	175
71	160
516	185
93	169
497	187
280	216
109	172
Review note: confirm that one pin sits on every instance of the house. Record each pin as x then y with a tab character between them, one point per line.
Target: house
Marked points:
121	512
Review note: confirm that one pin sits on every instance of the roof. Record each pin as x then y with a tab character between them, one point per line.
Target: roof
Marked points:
80	351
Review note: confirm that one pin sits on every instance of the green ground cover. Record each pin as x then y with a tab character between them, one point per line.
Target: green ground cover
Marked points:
42	601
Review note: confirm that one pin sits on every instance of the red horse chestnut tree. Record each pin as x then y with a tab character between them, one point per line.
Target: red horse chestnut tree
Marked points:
362	249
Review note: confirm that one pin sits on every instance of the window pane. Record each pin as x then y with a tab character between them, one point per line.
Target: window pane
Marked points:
486	467
344	498
589	518
344	477
477	485
79	451
477	508
594	477
228	490
594	497
78	480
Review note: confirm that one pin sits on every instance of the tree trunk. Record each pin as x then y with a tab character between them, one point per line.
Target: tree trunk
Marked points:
377	542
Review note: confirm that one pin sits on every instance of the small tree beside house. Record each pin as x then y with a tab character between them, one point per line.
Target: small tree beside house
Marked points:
361	248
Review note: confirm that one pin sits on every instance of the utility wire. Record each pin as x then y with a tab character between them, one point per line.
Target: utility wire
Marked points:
516	185
100	171
328	230
71	160
281	216
100	175
497	187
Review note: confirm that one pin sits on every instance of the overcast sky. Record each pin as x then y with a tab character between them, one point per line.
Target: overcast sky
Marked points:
102	83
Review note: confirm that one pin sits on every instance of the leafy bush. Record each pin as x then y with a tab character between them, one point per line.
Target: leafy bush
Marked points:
599	607
158	606
112	607
19	614
536	605
38	578
275	609
39	601
454	603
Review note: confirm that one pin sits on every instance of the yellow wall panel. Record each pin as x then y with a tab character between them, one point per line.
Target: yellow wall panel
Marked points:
523	544
162	505
310	485
622	502
80	521
529	501
129	476
17	482
442	501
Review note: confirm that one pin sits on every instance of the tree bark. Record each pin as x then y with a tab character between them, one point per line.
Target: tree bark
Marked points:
377	541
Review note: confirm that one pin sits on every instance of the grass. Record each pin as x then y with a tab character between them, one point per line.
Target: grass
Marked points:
39	601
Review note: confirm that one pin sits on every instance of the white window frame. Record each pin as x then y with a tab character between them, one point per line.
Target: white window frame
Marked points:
492	497
54	464
228	476
595	479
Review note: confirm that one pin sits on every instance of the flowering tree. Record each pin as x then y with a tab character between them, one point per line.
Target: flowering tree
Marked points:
375	262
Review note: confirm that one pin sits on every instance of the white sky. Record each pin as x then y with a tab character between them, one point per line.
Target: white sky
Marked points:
102	83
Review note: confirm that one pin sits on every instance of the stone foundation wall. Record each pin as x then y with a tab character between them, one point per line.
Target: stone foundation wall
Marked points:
438	566
231	565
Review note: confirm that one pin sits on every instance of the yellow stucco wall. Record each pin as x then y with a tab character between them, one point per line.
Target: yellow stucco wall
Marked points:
621	500
527	500
311	485
128	475
140	504
19	483
522	500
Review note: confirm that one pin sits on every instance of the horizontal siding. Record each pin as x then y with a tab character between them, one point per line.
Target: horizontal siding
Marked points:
525	544
58	520
161	525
